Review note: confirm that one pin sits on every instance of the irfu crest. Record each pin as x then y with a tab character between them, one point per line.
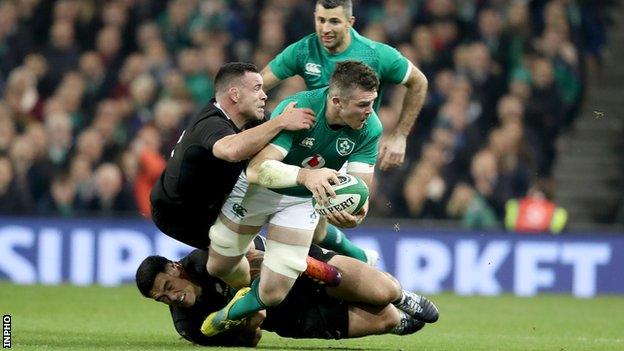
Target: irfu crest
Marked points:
344	146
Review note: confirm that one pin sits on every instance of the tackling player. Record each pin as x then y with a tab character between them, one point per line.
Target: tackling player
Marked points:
309	311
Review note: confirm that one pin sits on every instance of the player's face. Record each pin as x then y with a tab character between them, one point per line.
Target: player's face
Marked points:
251	98
332	27
355	110
173	290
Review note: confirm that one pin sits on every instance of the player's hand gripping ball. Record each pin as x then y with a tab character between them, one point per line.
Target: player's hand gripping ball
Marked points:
351	195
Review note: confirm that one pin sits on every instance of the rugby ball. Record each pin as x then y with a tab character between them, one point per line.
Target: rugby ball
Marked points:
351	195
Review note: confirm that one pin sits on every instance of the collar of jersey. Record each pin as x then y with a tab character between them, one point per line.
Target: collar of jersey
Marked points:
222	110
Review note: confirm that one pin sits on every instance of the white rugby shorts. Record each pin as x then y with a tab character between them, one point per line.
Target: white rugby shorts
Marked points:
256	205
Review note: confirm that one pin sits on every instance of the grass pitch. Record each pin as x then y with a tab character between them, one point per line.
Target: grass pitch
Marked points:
97	318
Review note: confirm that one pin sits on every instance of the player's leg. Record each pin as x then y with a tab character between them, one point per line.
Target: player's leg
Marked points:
284	260
368	320
242	214
228	244
288	240
363	283
330	237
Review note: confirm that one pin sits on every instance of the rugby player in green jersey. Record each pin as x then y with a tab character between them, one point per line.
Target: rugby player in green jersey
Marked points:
314	58
282	179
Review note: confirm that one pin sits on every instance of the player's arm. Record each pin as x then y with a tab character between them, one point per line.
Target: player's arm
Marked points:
392	148
242	146
268	170
269	79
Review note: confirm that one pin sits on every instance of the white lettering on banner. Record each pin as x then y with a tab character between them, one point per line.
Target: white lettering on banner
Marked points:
120	253
422	264
584	257
529	277
171	248
81	264
371	244
49	256
17	268
476	274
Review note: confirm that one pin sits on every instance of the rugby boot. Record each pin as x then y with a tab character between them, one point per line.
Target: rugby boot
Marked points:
418	307
218	321
407	324
322	272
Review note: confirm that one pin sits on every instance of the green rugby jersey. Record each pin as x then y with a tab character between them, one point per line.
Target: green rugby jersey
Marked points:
309	59
321	146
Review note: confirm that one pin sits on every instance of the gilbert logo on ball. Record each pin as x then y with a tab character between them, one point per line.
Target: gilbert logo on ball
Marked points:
351	195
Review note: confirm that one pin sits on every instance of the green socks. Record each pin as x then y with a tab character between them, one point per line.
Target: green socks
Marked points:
248	304
336	240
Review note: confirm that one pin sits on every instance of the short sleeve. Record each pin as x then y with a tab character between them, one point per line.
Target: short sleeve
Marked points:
284	65
395	68
367	153
211	130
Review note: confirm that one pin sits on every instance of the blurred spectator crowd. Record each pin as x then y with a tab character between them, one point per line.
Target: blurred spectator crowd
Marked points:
94	94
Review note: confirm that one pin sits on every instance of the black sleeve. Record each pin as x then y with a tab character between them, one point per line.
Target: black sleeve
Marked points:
210	130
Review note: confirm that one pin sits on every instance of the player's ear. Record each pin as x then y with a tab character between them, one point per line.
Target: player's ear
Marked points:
233	93
176	269
351	21
336	102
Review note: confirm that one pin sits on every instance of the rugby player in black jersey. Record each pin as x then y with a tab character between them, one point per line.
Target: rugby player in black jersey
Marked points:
365	302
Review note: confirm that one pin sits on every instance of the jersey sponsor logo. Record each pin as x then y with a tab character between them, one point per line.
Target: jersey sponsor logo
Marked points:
239	210
313	69
307	142
313	162
344	146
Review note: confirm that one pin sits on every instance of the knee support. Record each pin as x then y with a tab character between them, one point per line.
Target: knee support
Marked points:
285	259
228	242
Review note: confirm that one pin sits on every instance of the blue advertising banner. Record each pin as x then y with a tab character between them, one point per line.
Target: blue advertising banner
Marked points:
107	252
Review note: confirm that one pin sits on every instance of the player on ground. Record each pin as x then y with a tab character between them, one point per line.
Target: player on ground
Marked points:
314	58
295	166
309	311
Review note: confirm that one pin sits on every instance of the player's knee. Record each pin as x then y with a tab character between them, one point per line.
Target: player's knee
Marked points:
227	242
272	295
388	319
386	290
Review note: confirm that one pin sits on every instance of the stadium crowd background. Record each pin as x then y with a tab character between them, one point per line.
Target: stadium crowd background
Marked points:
96	93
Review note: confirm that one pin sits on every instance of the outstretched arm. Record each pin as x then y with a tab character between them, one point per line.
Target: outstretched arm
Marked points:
242	146
392	148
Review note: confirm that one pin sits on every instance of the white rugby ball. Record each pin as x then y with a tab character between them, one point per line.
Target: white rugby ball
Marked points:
351	195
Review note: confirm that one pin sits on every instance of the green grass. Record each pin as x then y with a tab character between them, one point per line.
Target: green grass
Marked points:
96	318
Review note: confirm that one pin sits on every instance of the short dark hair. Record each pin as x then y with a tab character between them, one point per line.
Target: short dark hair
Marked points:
147	272
349	75
347	5
230	71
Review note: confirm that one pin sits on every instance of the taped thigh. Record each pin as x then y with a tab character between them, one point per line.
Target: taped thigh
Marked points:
228	242
285	259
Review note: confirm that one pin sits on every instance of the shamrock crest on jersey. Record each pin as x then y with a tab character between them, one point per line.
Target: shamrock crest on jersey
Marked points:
344	146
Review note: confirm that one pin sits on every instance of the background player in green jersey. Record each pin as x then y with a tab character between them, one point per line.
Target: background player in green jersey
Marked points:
314	58
344	112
